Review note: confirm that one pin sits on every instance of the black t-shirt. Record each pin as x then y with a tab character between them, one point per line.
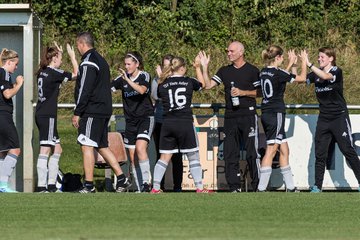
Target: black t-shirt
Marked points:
273	84
176	94
136	105
49	82
5	83
329	93
243	79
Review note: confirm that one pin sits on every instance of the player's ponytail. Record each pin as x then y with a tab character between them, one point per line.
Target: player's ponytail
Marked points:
176	63
7	54
269	54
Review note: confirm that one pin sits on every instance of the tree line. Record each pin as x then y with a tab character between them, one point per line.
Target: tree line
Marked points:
183	27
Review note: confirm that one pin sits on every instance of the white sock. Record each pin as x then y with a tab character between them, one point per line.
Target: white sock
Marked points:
145	171
195	169
159	172
7	168
1	162
134	172
265	173
288	177
53	168
42	170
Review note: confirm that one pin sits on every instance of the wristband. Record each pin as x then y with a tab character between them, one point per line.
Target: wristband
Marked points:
311	65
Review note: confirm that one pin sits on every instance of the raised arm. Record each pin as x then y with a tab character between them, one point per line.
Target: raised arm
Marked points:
71	52
320	73
205	60
199	73
302	77
292	60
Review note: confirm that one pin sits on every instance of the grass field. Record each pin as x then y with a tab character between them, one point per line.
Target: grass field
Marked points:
180	216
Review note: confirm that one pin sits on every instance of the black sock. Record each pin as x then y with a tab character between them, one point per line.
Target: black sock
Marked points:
51	187
121	178
89	185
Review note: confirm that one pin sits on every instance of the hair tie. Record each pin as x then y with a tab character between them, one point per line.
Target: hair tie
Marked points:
129	54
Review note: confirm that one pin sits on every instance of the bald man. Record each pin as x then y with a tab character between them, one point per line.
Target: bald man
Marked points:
240	125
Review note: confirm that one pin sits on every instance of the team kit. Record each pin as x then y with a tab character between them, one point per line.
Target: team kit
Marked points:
161	107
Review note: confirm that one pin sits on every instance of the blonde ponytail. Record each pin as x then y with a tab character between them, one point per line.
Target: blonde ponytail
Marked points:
175	64
269	54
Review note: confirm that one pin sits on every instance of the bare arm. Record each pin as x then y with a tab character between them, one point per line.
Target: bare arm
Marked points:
320	73
205	60
71	52
243	93
292	59
154	87
139	88
199	73
9	93
302	77
247	93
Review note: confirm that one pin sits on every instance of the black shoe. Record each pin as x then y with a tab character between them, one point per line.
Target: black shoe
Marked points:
238	190
52	188
292	190
87	190
145	187
177	190
123	186
42	190
261	190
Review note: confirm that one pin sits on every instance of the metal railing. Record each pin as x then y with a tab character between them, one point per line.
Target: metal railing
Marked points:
217	106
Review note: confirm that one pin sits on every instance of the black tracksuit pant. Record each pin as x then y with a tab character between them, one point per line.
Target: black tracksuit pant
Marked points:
338	128
241	131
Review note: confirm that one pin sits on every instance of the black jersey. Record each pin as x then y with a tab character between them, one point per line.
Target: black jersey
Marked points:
273	84
329	93
136	105
176	94
92	90
49	82
5	83
243	78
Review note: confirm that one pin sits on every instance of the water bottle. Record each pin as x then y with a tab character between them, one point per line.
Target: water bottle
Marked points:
234	99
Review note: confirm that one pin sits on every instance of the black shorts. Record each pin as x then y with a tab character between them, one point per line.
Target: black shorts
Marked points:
48	134
178	135
274	127
9	138
138	129
93	132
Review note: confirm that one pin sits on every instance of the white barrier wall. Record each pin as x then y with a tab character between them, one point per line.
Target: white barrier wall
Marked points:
300	131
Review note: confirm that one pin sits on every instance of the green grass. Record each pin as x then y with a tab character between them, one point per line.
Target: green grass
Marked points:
180	216
71	158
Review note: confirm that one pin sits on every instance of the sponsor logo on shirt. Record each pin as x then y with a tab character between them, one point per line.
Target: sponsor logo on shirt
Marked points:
323	89
130	94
